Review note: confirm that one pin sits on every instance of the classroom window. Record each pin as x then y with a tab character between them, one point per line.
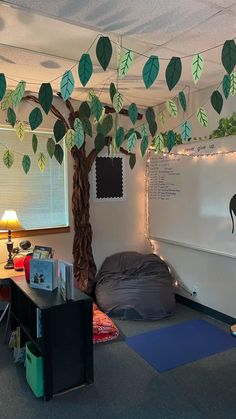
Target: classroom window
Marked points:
40	199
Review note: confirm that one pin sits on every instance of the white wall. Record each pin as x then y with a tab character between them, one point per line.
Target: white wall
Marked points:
214	275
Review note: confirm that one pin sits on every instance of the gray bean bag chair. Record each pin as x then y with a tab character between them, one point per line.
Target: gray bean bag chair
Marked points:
135	286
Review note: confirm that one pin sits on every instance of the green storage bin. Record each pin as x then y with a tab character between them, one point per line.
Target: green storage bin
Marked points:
34	369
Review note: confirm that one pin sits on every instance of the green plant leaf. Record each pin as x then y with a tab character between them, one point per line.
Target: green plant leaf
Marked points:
173	72
18	93
3	85
159	143
186	130
150	115
118	100
84	111
99	128
7	100
59	153
131	140
125	63
226	85
26	163
232	84
35	118
151	70
79	133
59	130
51	147
228	55
45	96
85	69
172	108
20	130
202	116
104	51
217	101
133	113
120	135
152	128
132	161
197	67
67	84
70	138
144	131
112	91
41	159
107	124
162	117
11	116
96	107
182	101
170	139
8	158
144	145
87	127
34	143
99	142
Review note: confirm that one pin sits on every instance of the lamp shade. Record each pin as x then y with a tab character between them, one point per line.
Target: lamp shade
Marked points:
10	221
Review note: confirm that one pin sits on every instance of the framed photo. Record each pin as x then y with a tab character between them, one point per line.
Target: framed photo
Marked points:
42	252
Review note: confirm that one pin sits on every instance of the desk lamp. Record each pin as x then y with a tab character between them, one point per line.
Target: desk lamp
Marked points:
10	222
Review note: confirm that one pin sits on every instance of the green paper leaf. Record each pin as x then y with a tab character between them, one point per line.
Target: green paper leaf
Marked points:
34	143
118	100
3	85
159	143
232	84
11	116
112	91
51	145
226	85
99	142
162	117
59	153
41	162
79	133
107	124
84	111
182	100
104	51
45	96
150	115
202	116
67	84
8	158
96	107
228	55
151	70
99	128
85	69
144	145
120	135
87	127
217	101
173	72
125	63
91	94
59	130
133	113
172	108
170	139
144	131
20	130
35	118
70	138
131	140
197	67
26	163
132	161
7	100
186	130
18	93
152	128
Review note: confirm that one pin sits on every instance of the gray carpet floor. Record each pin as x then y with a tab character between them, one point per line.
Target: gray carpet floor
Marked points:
125	386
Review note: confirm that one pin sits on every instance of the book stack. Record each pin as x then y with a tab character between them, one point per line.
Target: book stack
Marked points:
66	280
43	274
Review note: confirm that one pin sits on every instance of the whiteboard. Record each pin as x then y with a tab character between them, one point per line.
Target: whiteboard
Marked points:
188	196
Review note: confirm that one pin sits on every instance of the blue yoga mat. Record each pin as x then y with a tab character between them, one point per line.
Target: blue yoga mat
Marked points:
184	343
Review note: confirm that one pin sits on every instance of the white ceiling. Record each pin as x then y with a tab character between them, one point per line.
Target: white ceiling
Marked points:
41	39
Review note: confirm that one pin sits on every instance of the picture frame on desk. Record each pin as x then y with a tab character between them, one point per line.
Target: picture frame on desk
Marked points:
42	252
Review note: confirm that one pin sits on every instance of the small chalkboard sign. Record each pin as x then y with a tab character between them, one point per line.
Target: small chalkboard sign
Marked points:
108	178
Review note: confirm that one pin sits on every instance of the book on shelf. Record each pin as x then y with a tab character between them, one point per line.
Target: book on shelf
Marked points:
39	333
66	280
43	274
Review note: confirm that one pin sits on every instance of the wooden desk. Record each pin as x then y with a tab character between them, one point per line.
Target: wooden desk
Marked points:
6	274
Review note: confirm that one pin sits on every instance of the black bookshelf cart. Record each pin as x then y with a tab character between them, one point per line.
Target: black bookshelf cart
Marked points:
66	344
